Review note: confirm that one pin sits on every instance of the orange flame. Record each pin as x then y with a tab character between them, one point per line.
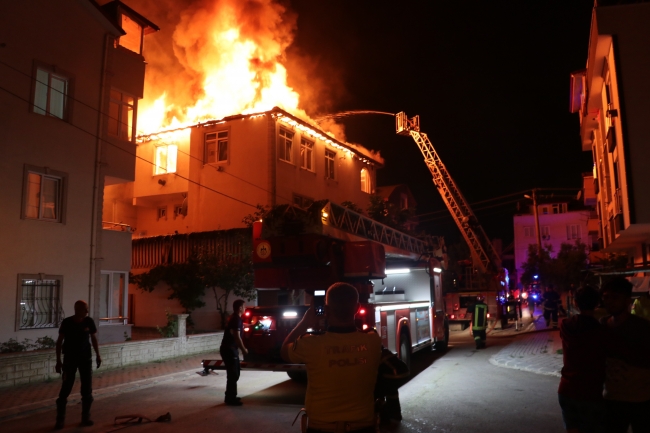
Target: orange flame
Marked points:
224	58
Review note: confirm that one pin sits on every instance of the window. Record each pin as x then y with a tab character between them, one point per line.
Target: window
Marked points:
284	145
39	301
573	232
365	181
329	164
306	154
162	213
403	202
301	201
43	194
545	210
113	298
546	232
559	208
166	159
50	93
133	38
528	232
216	147
120	115
179	211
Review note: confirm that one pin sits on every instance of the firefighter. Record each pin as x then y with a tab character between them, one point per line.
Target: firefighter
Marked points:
342	366
479	322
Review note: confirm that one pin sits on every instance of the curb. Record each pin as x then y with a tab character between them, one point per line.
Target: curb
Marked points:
109	391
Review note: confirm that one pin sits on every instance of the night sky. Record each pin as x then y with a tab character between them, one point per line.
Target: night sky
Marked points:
489	79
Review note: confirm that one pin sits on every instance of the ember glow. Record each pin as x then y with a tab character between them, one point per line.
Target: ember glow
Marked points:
224	58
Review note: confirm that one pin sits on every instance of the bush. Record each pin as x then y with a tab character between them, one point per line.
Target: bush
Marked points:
14	345
171	328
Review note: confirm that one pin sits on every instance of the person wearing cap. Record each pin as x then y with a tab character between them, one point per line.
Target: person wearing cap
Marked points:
342	365
627	349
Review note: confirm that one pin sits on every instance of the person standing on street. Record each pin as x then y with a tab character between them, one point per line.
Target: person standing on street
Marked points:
551	306
627	348
76	335
580	393
342	366
229	350
479	322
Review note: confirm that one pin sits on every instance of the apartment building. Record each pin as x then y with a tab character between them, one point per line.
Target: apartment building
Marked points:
72	72
559	222
611	96
209	176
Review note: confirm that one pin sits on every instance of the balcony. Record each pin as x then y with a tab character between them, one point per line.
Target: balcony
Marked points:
118	227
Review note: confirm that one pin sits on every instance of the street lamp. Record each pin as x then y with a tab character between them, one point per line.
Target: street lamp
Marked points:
539	241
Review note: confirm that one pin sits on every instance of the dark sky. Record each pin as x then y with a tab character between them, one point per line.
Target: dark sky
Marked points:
489	79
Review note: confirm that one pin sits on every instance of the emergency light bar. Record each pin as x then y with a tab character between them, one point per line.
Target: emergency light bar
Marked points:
319	292
401	306
289	314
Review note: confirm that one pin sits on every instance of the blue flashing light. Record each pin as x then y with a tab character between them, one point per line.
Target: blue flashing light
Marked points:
535	276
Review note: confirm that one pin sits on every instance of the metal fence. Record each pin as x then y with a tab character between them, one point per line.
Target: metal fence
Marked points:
160	250
40	304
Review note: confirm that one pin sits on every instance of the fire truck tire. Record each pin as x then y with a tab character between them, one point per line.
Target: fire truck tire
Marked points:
443	344
298	376
405	348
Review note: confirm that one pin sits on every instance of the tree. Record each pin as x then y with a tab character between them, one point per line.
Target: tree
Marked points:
535	267
188	281
389	214
566	269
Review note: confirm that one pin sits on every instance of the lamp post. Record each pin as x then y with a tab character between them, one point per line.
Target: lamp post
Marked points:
536	213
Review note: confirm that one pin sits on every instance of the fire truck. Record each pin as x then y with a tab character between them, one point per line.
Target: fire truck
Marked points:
303	252
485	277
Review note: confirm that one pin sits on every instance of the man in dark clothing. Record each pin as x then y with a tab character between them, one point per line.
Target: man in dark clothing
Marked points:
627	348
75	337
479	322
581	387
551	305
229	350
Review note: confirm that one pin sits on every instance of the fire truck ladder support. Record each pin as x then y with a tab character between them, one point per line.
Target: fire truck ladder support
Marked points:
484	254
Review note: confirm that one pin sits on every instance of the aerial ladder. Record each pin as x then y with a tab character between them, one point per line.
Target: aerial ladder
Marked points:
484	257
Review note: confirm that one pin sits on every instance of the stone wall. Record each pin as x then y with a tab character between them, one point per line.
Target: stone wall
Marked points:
29	367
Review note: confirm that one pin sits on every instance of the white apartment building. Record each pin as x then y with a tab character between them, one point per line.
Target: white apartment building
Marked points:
611	96
72	72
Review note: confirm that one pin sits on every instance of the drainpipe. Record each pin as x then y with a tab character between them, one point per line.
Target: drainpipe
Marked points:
95	222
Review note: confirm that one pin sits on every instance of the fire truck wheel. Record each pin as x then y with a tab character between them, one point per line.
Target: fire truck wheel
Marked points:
405	348
298	376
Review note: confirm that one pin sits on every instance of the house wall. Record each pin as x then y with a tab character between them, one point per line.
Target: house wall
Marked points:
33	246
557	224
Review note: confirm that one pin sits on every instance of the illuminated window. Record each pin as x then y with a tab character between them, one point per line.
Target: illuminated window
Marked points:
40	301
329	164
133	38
285	143
365	181
50	93
306	154
120	115
216	147
166	159
43	194
573	232
113	298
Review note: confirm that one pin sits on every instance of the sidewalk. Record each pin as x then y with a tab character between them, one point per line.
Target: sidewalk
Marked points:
537	350
36	397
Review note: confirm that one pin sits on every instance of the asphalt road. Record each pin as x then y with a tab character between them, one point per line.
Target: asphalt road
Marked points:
454	391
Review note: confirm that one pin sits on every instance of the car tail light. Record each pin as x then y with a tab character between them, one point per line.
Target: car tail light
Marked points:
247	313
364	327
488	315
456	307
362	311
453	316
247	329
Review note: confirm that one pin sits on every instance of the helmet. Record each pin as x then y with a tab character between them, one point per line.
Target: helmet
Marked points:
480	298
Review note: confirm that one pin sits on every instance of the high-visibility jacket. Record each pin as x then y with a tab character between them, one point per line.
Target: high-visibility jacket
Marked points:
641	307
479	319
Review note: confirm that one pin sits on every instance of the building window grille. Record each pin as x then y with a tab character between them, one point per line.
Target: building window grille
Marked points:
330	158
285	143
40	303
216	147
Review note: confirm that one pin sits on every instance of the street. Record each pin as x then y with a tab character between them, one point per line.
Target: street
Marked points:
456	391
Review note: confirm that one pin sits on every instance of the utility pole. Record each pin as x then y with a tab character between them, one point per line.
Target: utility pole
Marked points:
536	213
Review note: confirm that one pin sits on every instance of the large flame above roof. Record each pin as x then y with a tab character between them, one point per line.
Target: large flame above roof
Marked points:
223	57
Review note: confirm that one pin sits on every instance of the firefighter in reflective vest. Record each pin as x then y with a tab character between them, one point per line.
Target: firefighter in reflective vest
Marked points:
479	322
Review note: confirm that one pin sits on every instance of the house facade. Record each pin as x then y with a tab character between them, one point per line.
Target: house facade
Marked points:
210	176
73	71
611	97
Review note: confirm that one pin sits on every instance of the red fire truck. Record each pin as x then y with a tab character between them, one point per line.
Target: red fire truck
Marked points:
305	251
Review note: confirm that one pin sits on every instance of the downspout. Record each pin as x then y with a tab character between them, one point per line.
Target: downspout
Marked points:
96	207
